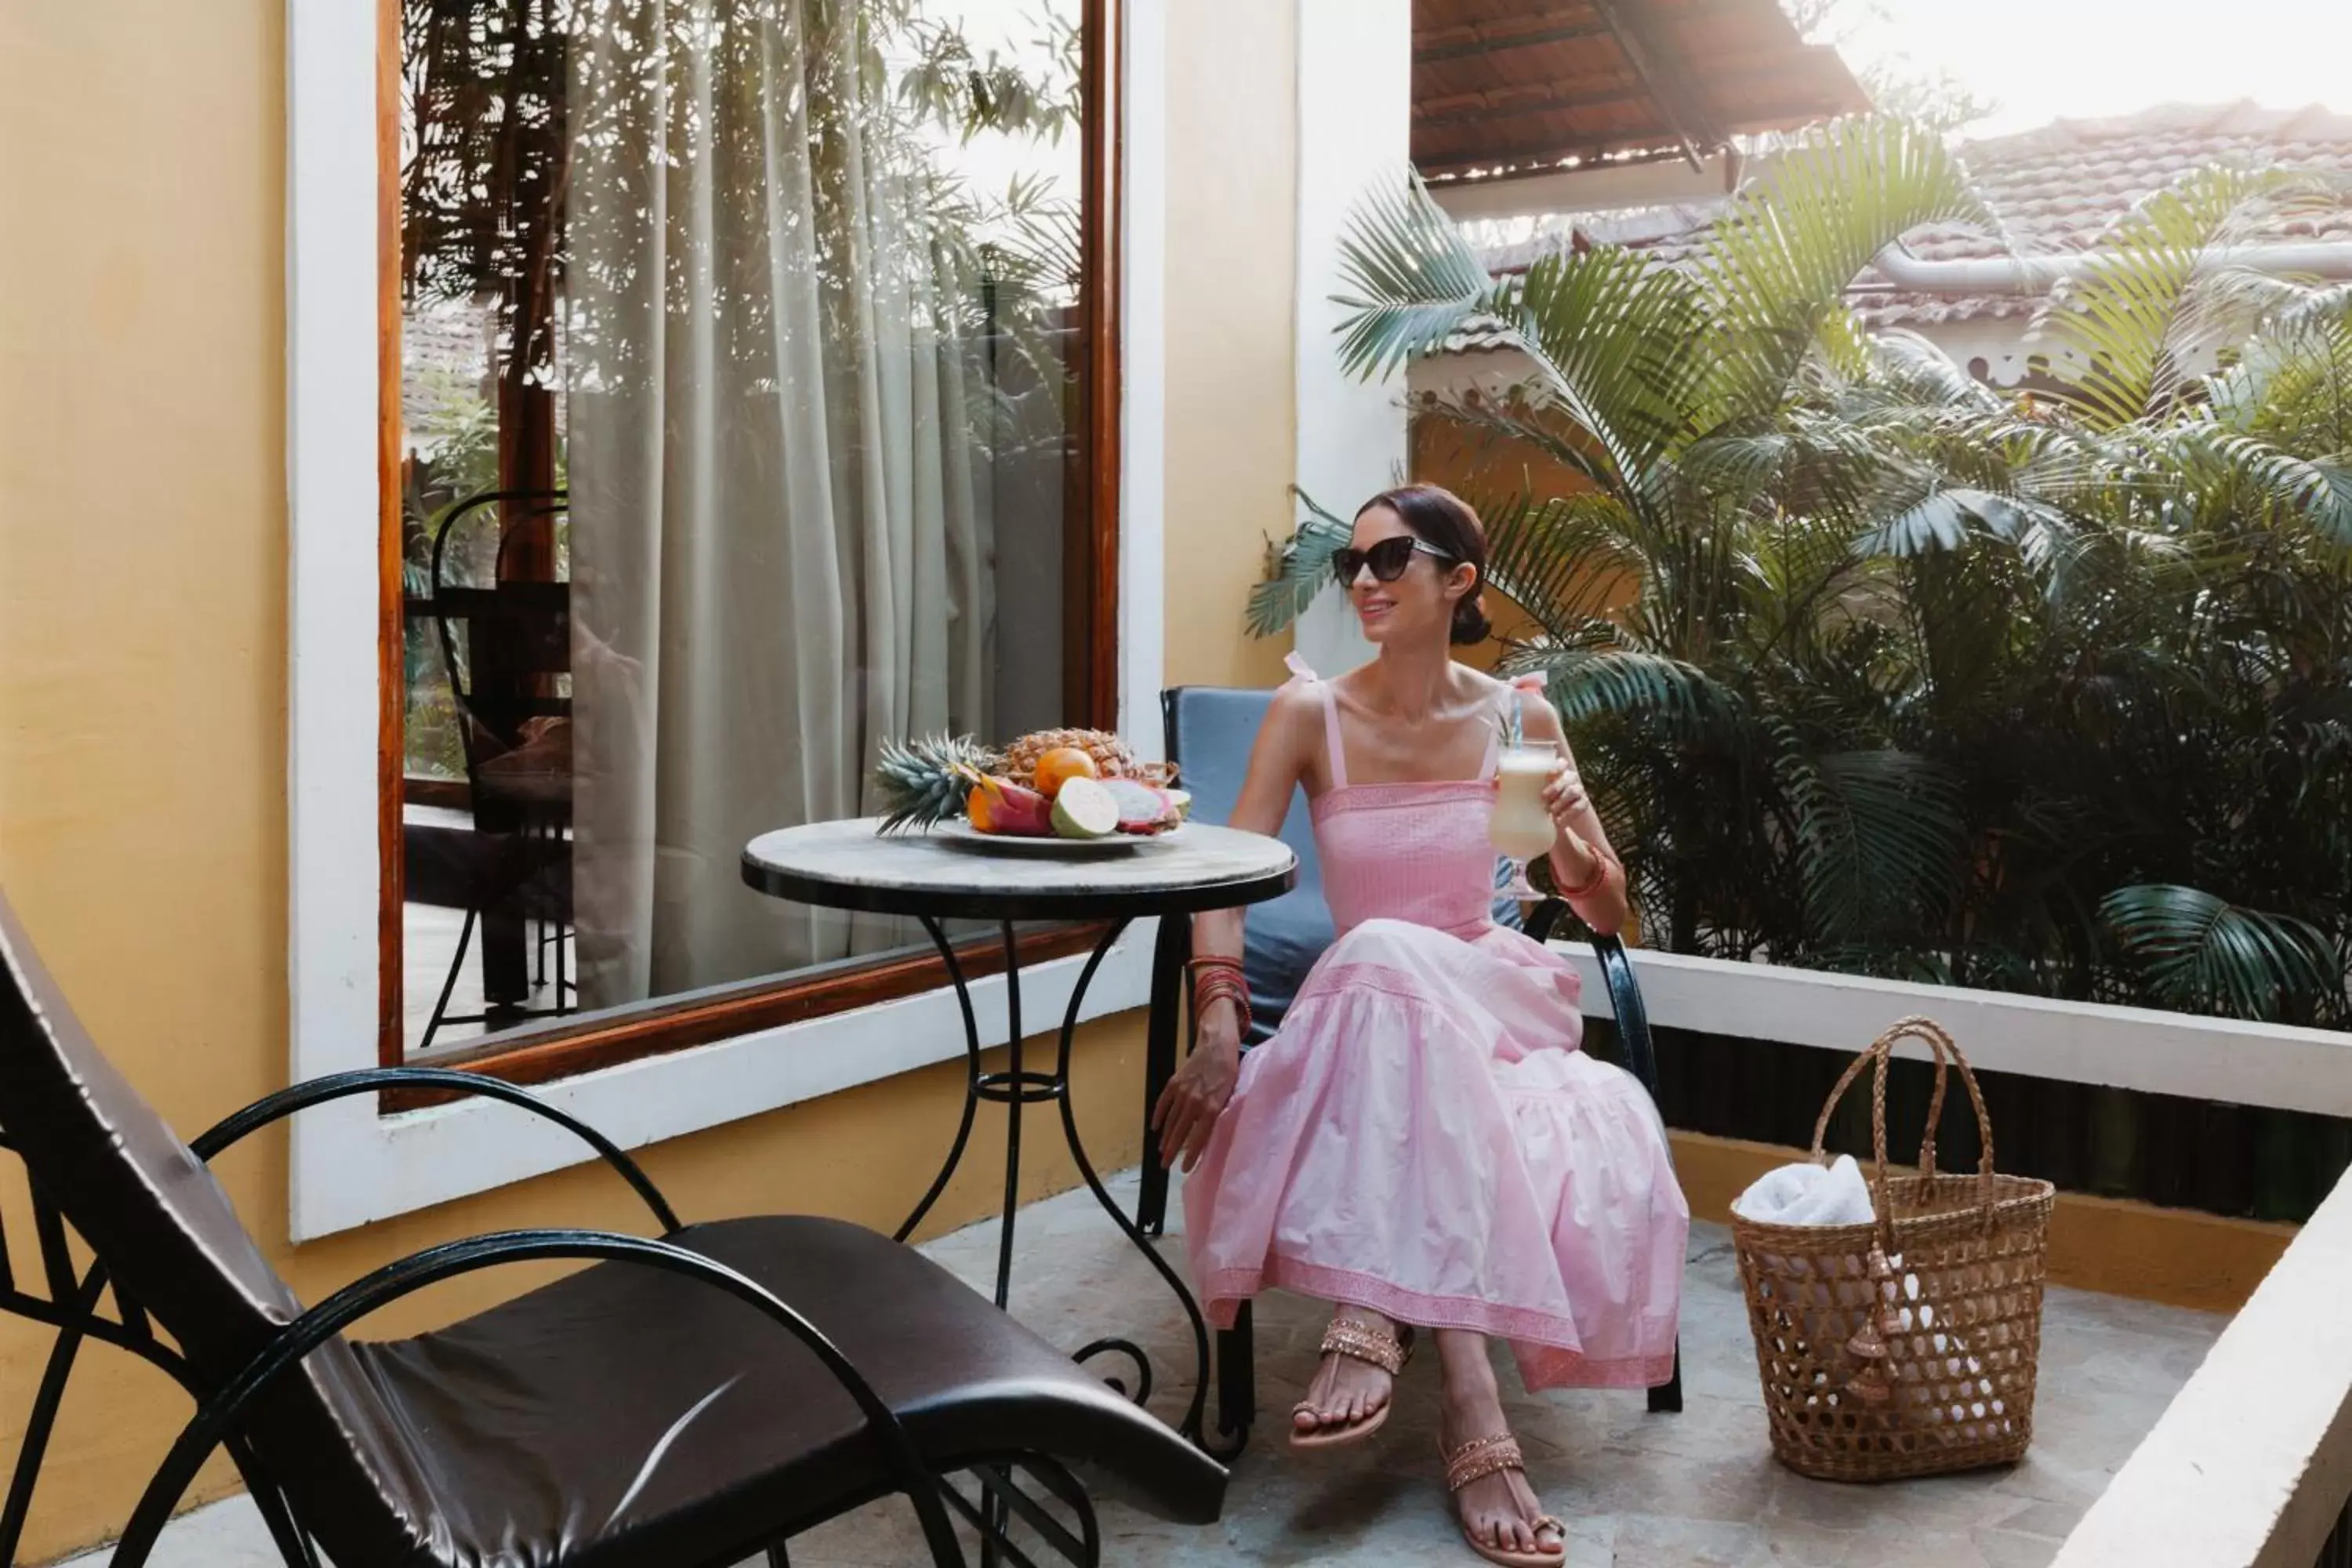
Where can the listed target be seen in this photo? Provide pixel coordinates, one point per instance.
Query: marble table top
(847, 865)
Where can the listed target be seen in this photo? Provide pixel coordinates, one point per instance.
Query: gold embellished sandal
(1358, 1342)
(1475, 1461)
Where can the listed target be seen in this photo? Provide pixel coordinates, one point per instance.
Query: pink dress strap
(1338, 752)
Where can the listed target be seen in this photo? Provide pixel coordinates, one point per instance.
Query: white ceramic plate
(964, 834)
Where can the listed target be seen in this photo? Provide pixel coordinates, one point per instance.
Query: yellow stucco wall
(1232, 181)
(143, 633)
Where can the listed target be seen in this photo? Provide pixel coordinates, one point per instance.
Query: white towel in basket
(1808, 1194)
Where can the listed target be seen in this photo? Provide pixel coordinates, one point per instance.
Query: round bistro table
(936, 877)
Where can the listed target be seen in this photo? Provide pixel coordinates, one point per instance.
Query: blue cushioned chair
(1210, 731)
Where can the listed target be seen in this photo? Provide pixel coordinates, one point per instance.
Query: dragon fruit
(1142, 808)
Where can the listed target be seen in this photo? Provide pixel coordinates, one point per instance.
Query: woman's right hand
(1188, 1106)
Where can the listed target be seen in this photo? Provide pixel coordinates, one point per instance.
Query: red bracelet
(1217, 980)
(1601, 867)
(1213, 986)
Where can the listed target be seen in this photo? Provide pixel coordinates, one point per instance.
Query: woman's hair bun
(1470, 622)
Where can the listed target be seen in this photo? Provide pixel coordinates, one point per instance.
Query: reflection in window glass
(740, 403)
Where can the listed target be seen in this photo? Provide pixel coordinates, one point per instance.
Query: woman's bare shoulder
(1481, 684)
(1542, 720)
(1297, 709)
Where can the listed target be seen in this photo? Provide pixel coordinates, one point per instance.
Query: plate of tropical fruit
(1056, 792)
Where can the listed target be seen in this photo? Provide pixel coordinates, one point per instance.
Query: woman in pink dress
(1423, 1143)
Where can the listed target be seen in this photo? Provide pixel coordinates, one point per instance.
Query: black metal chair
(506, 649)
(1209, 733)
(686, 1403)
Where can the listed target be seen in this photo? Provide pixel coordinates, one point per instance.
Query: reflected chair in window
(1209, 734)
(505, 637)
(689, 1402)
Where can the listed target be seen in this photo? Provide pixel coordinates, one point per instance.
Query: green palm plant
(1879, 669)
(1700, 408)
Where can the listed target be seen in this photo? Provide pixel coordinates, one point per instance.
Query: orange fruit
(1059, 767)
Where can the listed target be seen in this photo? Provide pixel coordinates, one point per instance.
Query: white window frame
(352, 1165)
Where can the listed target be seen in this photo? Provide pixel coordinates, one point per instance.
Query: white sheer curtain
(780, 536)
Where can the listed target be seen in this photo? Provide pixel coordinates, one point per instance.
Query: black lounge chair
(685, 1403)
(1209, 733)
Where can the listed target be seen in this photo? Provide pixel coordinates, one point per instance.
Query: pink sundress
(1423, 1136)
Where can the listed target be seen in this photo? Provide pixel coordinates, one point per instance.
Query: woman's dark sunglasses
(1388, 559)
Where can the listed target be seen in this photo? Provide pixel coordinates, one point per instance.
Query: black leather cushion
(625, 1415)
(1210, 732)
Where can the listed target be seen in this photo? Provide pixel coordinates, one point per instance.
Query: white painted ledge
(2269, 1065)
(353, 1166)
(2252, 1462)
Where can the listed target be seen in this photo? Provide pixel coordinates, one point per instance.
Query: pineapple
(924, 783)
(1112, 757)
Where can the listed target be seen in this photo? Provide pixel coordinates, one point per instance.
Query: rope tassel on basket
(1848, 1316)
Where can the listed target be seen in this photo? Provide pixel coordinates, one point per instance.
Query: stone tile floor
(1640, 1490)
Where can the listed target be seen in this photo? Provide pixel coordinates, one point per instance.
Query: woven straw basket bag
(1907, 1346)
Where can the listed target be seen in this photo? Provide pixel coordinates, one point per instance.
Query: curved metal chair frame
(72, 1303)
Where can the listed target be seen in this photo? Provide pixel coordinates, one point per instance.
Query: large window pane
(741, 404)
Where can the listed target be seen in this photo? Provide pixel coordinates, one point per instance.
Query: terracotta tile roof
(2054, 189)
(1511, 84)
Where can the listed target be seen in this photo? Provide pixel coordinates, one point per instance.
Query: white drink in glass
(1522, 828)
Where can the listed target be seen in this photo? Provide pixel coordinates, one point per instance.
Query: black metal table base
(1017, 1087)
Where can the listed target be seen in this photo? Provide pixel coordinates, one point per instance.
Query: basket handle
(1880, 1052)
(1940, 1043)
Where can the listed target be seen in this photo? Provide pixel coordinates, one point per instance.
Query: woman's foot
(1499, 1509)
(1349, 1396)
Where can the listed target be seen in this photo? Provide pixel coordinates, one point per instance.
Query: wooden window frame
(554, 1052)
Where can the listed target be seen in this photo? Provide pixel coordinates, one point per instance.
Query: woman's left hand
(1564, 796)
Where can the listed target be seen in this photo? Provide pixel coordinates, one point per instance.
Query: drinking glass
(1522, 828)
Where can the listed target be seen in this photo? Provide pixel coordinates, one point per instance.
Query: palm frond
(1942, 516)
(1617, 343)
(2158, 289)
(1299, 568)
(1561, 559)
(2202, 953)
(1796, 465)
(1410, 278)
(1925, 374)
(2315, 491)
(2291, 382)
(1596, 676)
(2304, 310)
(1879, 836)
(1776, 268)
